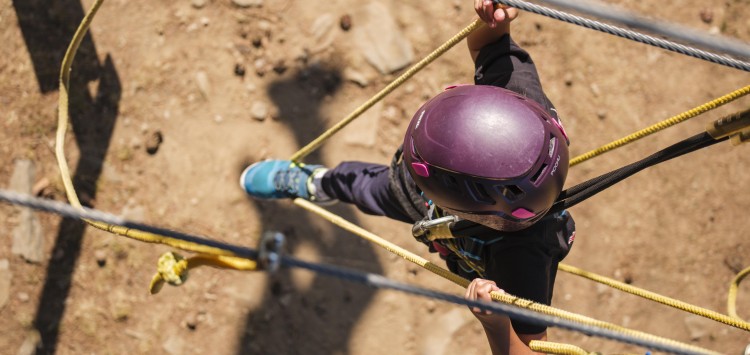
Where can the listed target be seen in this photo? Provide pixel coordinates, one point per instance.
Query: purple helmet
(488, 155)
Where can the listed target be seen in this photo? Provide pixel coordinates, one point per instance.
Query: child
(493, 153)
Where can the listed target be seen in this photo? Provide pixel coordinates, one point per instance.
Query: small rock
(41, 187)
(191, 321)
(595, 90)
(101, 257)
(23, 297)
(153, 141)
(380, 40)
(431, 306)
(345, 22)
(28, 238)
(698, 327)
(247, 3)
(198, 4)
(30, 344)
(201, 78)
(568, 79)
(261, 66)
(257, 41)
(356, 77)
(707, 15)
(601, 114)
(259, 110)
(280, 66)
(5, 277)
(239, 69)
(173, 345)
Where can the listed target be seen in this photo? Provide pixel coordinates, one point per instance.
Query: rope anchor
(269, 250)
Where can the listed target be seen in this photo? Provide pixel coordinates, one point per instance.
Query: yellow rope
(62, 125)
(657, 297)
(502, 297)
(173, 268)
(310, 147)
(663, 124)
(733, 287)
(557, 348)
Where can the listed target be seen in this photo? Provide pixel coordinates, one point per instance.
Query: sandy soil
(175, 68)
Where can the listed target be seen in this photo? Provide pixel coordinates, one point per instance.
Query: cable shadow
(47, 29)
(318, 319)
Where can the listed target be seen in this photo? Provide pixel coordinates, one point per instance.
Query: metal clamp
(432, 229)
(269, 250)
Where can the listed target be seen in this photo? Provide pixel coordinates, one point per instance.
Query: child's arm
(500, 334)
(498, 24)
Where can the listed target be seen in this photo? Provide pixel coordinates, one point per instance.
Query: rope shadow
(319, 319)
(47, 28)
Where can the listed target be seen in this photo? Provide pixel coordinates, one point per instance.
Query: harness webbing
(571, 197)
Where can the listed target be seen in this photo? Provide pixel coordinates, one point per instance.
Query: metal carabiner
(269, 250)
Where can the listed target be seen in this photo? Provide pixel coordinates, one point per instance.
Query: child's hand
(479, 289)
(491, 15)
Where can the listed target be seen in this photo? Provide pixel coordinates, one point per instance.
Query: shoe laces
(288, 180)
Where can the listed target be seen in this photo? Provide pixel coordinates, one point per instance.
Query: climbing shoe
(270, 179)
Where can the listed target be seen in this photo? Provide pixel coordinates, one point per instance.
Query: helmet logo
(419, 120)
(554, 167)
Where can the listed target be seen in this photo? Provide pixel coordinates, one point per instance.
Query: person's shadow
(319, 319)
(47, 28)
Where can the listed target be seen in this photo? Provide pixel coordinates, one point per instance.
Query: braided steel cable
(627, 34)
(725, 45)
(369, 279)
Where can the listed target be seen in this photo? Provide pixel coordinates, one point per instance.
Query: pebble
(280, 66)
(247, 3)
(707, 15)
(101, 257)
(261, 66)
(28, 237)
(5, 277)
(239, 69)
(201, 79)
(259, 110)
(698, 327)
(356, 77)
(153, 141)
(23, 297)
(568, 79)
(198, 4)
(345, 22)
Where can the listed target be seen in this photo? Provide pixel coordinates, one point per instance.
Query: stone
(198, 4)
(379, 39)
(204, 86)
(259, 110)
(28, 238)
(5, 277)
(30, 343)
(356, 77)
(247, 3)
(698, 327)
(153, 141)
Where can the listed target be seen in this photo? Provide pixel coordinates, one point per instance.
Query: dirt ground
(225, 86)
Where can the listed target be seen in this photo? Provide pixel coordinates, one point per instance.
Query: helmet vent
(479, 193)
(512, 193)
(538, 173)
(450, 182)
